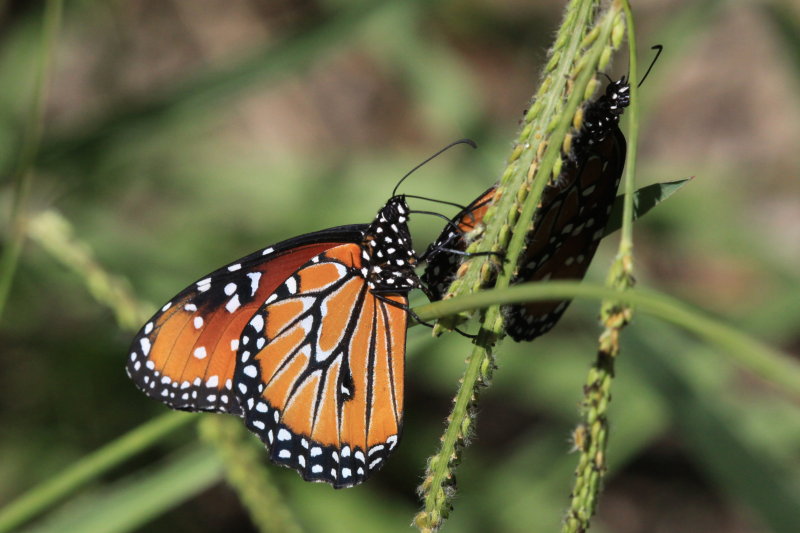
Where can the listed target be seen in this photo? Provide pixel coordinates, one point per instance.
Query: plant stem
(535, 158)
(775, 367)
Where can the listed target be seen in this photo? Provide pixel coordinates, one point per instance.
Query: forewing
(185, 354)
(320, 371)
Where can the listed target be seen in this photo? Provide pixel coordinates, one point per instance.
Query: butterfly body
(441, 262)
(304, 339)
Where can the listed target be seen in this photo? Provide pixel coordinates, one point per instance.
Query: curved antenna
(434, 200)
(460, 141)
(435, 214)
(660, 49)
(449, 223)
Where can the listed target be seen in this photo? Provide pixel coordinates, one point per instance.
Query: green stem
(534, 160)
(770, 364)
(90, 467)
(626, 241)
(22, 172)
(591, 469)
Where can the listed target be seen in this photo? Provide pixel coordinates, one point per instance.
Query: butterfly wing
(442, 263)
(567, 232)
(184, 355)
(568, 225)
(320, 370)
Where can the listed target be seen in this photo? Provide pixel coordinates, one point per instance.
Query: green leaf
(644, 200)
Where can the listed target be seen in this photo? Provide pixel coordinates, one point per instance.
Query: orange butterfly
(304, 339)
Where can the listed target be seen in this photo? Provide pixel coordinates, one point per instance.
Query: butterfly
(567, 227)
(304, 339)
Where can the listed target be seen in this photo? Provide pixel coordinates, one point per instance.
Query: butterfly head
(602, 115)
(389, 258)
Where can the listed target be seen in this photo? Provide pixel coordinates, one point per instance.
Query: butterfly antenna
(434, 200)
(435, 214)
(460, 141)
(659, 48)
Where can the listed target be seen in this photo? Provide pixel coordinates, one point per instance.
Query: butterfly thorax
(387, 253)
(602, 116)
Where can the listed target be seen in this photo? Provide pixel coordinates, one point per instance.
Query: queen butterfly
(567, 227)
(305, 339)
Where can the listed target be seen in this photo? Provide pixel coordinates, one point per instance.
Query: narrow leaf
(644, 200)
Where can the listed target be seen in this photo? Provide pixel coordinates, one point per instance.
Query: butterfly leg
(416, 317)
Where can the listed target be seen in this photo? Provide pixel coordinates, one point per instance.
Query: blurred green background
(180, 135)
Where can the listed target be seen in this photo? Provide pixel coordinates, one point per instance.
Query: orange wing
(319, 371)
(185, 355)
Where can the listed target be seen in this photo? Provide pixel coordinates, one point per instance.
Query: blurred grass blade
(133, 502)
(275, 62)
(644, 200)
(243, 464)
(787, 25)
(54, 234)
(47, 494)
(22, 173)
(730, 455)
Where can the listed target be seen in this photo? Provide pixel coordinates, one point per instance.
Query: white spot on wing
(254, 278)
(307, 324)
(200, 352)
(291, 285)
(233, 304)
(257, 322)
